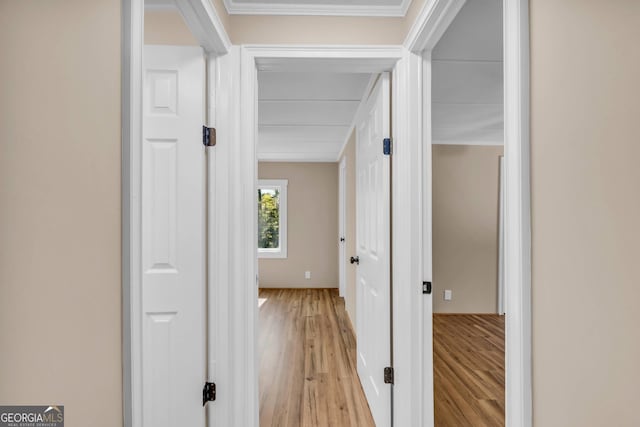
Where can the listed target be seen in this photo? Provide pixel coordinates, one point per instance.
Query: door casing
(425, 33)
(410, 390)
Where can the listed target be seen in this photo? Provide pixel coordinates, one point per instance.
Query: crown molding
(237, 8)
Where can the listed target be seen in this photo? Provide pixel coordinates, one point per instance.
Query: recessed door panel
(173, 237)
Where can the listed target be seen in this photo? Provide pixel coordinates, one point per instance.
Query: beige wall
(465, 227)
(166, 26)
(350, 295)
(60, 288)
(585, 68)
(246, 29)
(312, 226)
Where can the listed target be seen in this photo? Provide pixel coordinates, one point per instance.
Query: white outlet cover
(307, 275)
(447, 295)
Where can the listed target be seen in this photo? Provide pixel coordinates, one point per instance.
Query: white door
(373, 250)
(173, 237)
(342, 227)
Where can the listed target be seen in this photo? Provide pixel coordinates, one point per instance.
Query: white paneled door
(173, 237)
(373, 251)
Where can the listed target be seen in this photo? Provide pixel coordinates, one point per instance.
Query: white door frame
(424, 35)
(208, 30)
(407, 296)
(342, 226)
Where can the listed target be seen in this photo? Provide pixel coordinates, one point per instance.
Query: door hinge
(208, 136)
(208, 393)
(388, 375)
(386, 146)
(426, 287)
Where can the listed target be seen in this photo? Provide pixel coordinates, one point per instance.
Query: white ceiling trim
(237, 8)
(343, 58)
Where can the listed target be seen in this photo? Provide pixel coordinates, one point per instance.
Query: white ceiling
(306, 116)
(468, 77)
(318, 7)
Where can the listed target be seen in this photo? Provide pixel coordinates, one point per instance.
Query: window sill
(280, 254)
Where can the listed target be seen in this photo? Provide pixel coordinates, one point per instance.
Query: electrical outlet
(307, 275)
(447, 295)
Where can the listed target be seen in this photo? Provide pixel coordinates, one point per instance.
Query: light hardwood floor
(308, 374)
(468, 361)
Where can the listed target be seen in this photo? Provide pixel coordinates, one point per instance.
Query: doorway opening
(315, 353)
(467, 145)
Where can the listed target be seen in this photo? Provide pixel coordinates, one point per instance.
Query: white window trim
(281, 184)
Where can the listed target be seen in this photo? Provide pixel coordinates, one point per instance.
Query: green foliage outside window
(268, 218)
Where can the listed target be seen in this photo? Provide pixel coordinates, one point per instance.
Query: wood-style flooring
(308, 374)
(468, 361)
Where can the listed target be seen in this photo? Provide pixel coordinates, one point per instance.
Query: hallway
(308, 361)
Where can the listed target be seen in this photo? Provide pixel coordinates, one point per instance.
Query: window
(272, 218)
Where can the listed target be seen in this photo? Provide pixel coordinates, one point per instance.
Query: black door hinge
(426, 287)
(208, 136)
(388, 375)
(208, 393)
(386, 146)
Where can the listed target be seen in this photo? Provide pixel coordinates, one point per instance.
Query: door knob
(355, 260)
